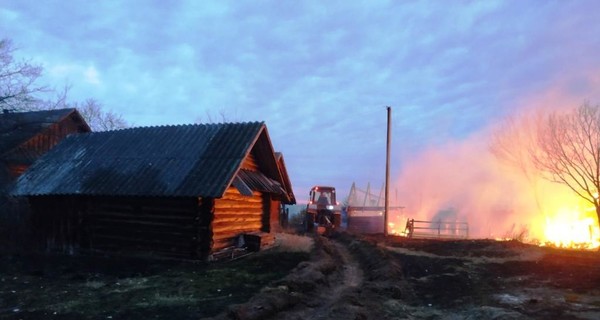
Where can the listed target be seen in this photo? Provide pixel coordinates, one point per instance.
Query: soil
(372, 277)
(342, 276)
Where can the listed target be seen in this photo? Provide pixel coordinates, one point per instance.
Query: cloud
(448, 70)
(74, 73)
(91, 75)
(8, 15)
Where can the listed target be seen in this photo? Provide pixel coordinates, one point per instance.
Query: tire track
(334, 301)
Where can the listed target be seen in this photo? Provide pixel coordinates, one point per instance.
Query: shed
(183, 191)
(25, 136)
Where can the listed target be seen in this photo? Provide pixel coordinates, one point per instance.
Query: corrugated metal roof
(259, 182)
(186, 160)
(18, 127)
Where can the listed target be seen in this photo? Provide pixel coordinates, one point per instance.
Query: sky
(319, 73)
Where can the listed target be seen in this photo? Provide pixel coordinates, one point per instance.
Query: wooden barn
(25, 136)
(185, 191)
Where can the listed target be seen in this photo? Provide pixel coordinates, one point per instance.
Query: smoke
(459, 181)
(464, 181)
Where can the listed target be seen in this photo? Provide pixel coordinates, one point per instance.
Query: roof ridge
(38, 111)
(189, 125)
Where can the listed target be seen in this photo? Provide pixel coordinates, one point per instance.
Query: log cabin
(186, 191)
(25, 136)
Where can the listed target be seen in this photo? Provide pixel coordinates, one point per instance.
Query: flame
(393, 229)
(572, 228)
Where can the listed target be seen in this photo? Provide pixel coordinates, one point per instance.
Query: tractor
(322, 209)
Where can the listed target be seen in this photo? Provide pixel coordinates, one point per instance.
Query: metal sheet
(186, 160)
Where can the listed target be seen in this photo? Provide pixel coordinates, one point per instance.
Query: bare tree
(512, 141)
(98, 119)
(17, 80)
(568, 151)
(58, 102)
(560, 146)
(19, 92)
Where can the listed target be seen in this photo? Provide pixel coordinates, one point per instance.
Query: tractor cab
(323, 197)
(323, 208)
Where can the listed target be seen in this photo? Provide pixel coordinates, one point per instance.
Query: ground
(342, 277)
(42, 286)
(358, 277)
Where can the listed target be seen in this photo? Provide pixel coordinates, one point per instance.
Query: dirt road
(351, 277)
(330, 302)
(343, 280)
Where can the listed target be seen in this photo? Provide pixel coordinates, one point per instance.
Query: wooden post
(387, 172)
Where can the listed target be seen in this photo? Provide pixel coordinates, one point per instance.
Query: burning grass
(528, 171)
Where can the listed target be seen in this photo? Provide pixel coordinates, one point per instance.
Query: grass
(99, 287)
(520, 234)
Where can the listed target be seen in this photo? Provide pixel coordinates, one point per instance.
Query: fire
(396, 229)
(392, 228)
(572, 228)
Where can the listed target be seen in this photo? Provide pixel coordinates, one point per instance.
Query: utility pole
(387, 171)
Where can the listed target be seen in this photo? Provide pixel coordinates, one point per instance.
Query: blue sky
(319, 73)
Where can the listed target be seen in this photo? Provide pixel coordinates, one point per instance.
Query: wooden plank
(138, 232)
(232, 234)
(235, 191)
(124, 216)
(113, 209)
(141, 242)
(254, 226)
(132, 222)
(141, 203)
(233, 211)
(238, 204)
(239, 197)
(250, 163)
(168, 211)
(236, 220)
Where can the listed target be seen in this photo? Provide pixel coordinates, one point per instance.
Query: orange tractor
(322, 210)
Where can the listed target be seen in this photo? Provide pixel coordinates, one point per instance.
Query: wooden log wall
(235, 214)
(271, 207)
(41, 143)
(168, 227)
(204, 218)
(250, 163)
(58, 223)
(156, 226)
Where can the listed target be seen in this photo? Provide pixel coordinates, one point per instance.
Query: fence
(436, 229)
